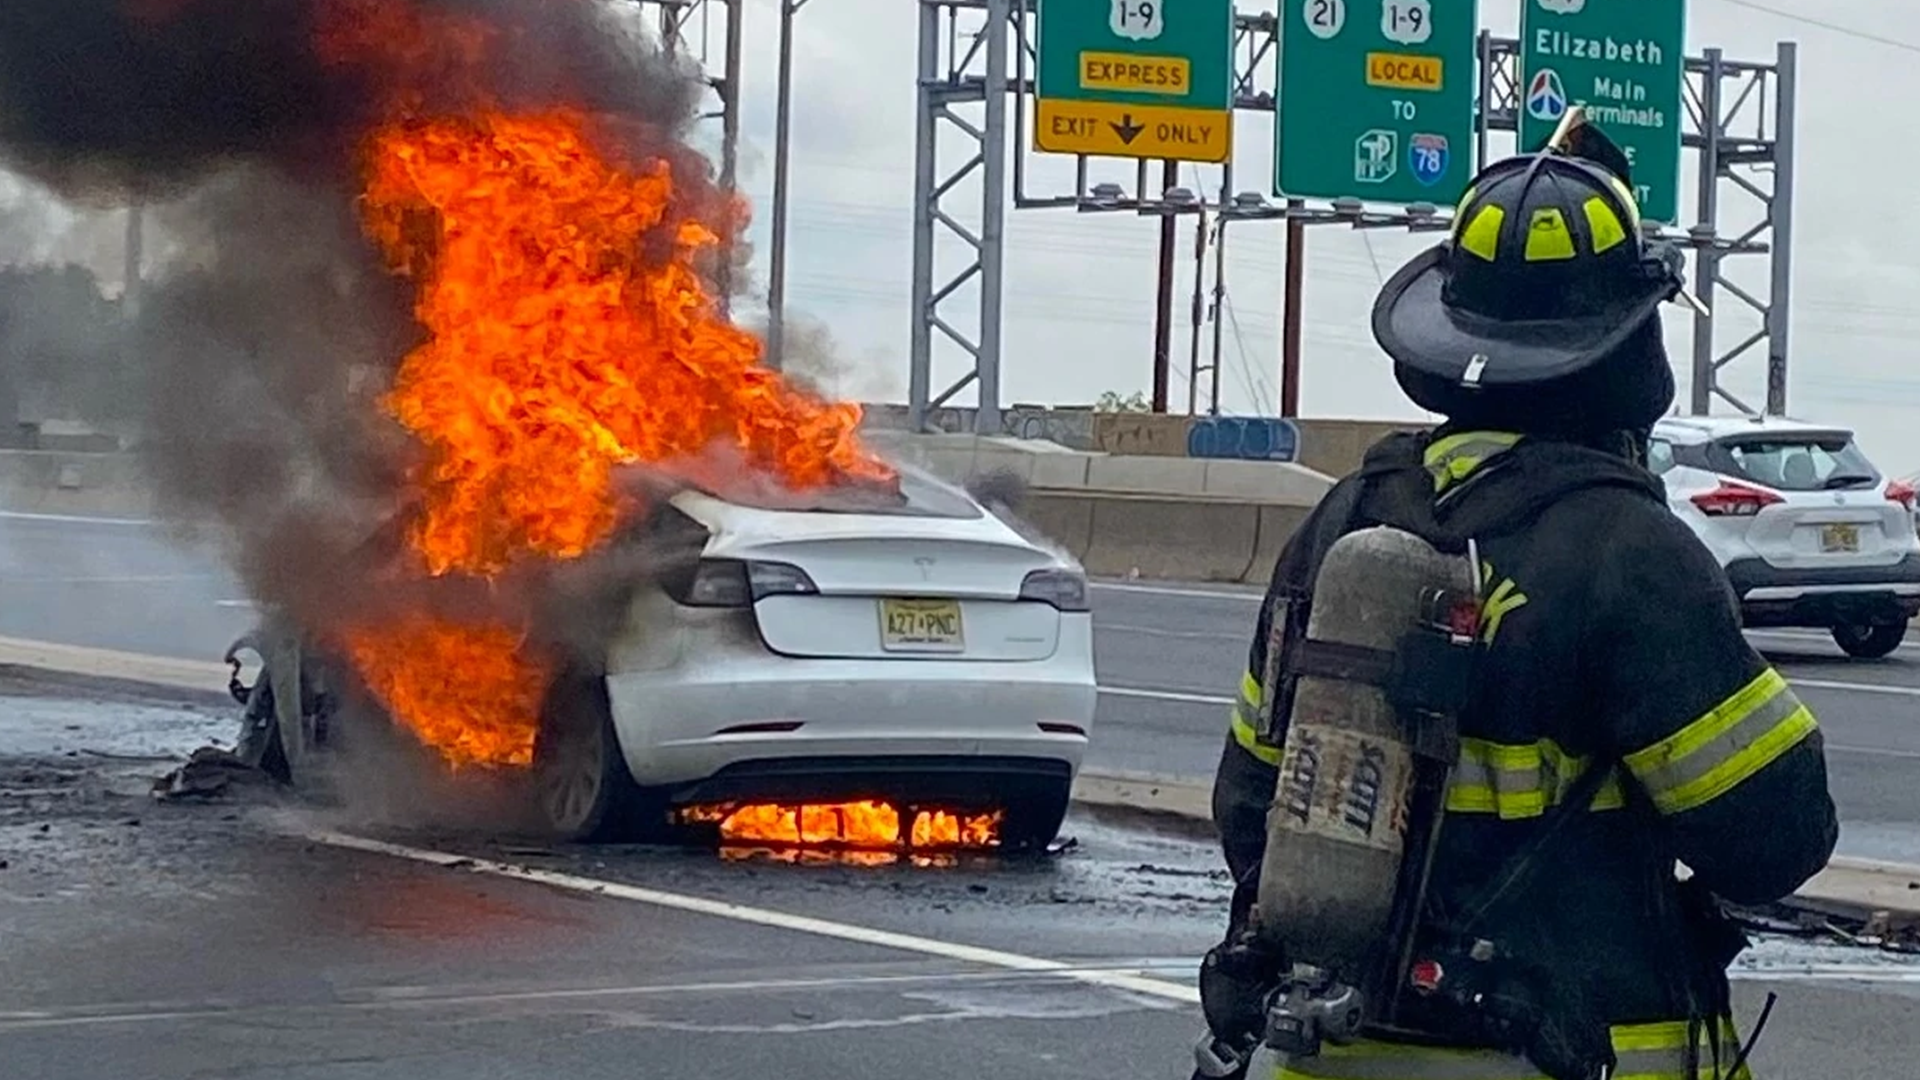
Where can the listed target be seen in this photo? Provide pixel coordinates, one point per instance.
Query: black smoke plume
(269, 330)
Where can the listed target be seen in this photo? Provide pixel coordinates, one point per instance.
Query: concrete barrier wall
(68, 482)
(1167, 518)
(1330, 446)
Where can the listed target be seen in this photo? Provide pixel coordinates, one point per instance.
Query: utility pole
(1199, 311)
(1219, 300)
(1163, 308)
(729, 86)
(782, 145)
(1290, 326)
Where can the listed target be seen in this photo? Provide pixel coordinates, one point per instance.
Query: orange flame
(568, 332)
(867, 823)
(469, 691)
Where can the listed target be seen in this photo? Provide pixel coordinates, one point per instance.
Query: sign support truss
(976, 54)
(686, 28)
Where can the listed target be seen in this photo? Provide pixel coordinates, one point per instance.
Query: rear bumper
(950, 782)
(812, 724)
(1776, 596)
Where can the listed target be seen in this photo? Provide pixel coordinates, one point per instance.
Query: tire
(1870, 641)
(1033, 820)
(298, 739)
(583, 791)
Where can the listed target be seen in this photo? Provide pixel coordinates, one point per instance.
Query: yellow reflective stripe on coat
(1655, 1051)
(1245, 708)
(1453, 459)
(1520, 780)
(1712, 755)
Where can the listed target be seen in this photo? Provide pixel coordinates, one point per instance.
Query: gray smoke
(269, 327)
(268, 334)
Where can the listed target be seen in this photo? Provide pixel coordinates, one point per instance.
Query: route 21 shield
(1427, 156)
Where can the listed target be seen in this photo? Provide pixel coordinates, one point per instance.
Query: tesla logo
(1839, 499)
(926, 567)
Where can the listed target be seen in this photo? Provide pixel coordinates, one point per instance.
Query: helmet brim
(1417, 329)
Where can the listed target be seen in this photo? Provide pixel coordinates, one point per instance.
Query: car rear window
(914, 495)
(1810, 462)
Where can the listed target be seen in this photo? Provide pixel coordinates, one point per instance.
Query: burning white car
(921, 651)
(901, 661)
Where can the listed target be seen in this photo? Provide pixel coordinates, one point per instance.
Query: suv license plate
(921, 626)
(1839, 538)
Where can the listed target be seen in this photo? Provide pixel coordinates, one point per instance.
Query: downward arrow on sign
(1126, 128)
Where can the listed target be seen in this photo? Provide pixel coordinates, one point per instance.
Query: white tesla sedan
(917, 648)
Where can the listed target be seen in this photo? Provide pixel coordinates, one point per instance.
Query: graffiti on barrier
(1141, 434)
(1245, 438)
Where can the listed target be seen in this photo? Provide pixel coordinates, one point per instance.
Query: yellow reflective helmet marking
(1548, 238)
(1482, 234)
(1603, 225)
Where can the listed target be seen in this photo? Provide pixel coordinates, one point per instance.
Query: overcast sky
(1079, 299)
(1080, 288)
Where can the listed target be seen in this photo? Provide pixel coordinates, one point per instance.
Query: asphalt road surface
(259, 939)
(1168, 656)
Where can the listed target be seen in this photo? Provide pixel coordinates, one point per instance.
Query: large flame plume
(521, 166)
(568, 332)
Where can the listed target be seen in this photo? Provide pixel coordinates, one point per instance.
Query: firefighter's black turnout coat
(1611, 636)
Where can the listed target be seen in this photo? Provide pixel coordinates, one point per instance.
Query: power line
(1808, 20)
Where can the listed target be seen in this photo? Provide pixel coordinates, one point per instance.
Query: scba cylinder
(1337, 828)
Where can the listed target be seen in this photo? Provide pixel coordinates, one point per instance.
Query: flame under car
(913, 648)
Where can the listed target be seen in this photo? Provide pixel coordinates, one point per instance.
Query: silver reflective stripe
(1729, 744)
(1519, 780)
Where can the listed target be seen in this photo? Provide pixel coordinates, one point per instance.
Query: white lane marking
(235, 603)
(1251, 596)
(1166, 695)
(1872, 751)
(1789, 638)
(1827, 973)
(393, 997)
(1856, 687)
(109, 579)
(74, 519)
(1127, 981)
(1864, 751)
(1216, 699)
(1154, 631)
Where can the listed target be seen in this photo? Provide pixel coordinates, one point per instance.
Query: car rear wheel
(582, 788)
(1870, 641)
(1034, 819)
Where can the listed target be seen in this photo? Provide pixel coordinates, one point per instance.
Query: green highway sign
(1376, 99)
(1135, 78)
(1625, 61)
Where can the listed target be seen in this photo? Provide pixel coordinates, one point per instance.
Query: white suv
(1808, 531)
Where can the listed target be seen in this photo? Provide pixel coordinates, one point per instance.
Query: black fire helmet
(1545, 275)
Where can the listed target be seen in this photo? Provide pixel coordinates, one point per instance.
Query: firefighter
(1609, 639)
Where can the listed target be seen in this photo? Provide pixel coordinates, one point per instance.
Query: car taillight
(732, 583)
(1901, 492)
(1063, 589)
(1734, 500)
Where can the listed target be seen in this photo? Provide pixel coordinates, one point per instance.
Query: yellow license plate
(921, 626)
(1840, 538)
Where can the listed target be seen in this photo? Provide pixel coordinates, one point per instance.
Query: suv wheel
(1870, 641)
